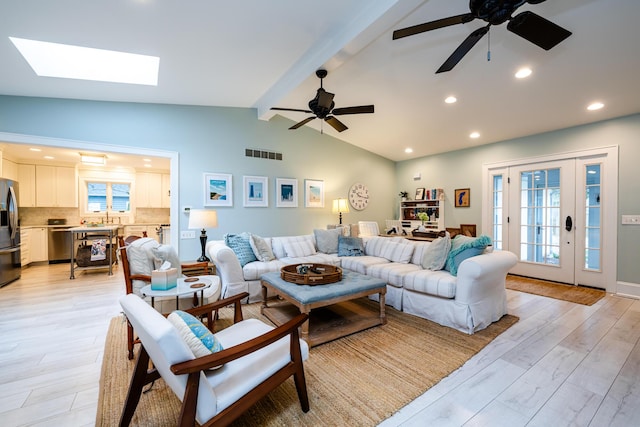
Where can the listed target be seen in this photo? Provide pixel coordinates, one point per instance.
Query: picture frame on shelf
(419, 194)
(256, 191)
(218, 189)
(286, 193)
(462, 197)
(313, 193)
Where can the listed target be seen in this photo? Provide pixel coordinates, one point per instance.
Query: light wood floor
(562, 364)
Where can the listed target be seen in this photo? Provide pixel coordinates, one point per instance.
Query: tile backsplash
(39, 216)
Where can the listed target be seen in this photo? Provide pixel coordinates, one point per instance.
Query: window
(108, 196)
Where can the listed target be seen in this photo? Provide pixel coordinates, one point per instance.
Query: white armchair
(368, 228)
(256, 359)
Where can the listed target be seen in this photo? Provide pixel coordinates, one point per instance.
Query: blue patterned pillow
(240, 244)
(463, 247)
(199, 339)
(350, 246)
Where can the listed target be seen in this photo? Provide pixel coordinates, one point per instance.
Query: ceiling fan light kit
(322, 106)
(528, 25)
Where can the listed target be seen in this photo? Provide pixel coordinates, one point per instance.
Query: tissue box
(163, 280)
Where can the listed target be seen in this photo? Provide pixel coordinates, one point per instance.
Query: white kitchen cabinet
(25, 246)
(27, 185)
(38, 244)
(9, 170)
(148, 190)
(166, 190)
(56, 186)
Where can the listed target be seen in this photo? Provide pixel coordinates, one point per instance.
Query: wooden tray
(318, 274)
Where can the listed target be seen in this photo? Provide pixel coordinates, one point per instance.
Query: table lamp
(340, 206)
(203, 218)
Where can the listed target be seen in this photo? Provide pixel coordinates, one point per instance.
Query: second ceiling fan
(322, 106)
(527, 25)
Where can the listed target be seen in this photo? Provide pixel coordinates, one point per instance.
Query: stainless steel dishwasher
(59, 241)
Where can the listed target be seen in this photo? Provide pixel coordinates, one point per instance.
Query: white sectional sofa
(470, 301)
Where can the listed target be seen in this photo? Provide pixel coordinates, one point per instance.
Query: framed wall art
(256, 191)
(286, 193)
(313, 193)
(462, 197)
(419, 194)
(218, 189)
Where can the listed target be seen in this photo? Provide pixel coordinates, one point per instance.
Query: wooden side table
(190, 268)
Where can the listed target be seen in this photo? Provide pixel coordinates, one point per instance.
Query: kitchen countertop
(89, 229)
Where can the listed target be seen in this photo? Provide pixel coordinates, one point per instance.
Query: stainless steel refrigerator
(9, 232)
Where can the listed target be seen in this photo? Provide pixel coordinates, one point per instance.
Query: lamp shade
(203, 218)
(340, 206)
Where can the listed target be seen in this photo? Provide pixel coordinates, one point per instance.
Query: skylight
(76, 62)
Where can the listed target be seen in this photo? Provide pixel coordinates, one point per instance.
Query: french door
(557, 216)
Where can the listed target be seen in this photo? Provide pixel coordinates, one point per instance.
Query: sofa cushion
(435, 256)
(463, 247)
(199, 339)
(261, 248)
(253, 270)
(278, 244)
(350, 246)
(418, 251)
(398, 252)
(362, 263)
(299, 248)
(239, 244)
(438, 283)
(392, 272)
(327, 240)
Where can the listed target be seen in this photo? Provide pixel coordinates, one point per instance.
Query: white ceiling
(260, 54)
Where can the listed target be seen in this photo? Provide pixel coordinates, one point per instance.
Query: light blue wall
(463, 169)
(211, 139)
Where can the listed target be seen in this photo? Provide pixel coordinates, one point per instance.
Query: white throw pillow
(435, 256)
(398, 252)
(299, 248)
(261, 248)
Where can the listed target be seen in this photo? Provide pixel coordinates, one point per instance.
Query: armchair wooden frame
(129, 278)
(142, 375)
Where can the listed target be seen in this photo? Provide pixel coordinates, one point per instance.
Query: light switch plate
(631, 219)
(188, 234)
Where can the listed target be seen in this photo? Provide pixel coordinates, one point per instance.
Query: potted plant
(403, 195)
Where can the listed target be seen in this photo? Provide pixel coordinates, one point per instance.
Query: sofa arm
(227, 264)
(483, 276)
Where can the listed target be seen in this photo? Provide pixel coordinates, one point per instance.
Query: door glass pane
(593, 218)
(497, 212)
(540, 216)
(97, 196)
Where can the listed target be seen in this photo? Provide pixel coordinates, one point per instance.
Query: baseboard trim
(628, 289)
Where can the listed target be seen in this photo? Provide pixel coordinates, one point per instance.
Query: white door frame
(610, 188)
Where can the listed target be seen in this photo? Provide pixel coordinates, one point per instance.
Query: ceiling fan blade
(537, 30)
(362, 109)
(302, 123)
(433, 25)
(291, 109)
(463, 49)
(336, 124)
(324, 99)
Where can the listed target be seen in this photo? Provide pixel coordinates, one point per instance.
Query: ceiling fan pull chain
(489, 46)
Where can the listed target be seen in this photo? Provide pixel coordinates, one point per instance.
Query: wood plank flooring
(563, 364)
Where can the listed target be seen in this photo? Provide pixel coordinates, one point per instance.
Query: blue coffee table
(335, 309)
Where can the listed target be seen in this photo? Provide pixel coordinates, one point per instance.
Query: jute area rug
(358, 380)
(578, 294)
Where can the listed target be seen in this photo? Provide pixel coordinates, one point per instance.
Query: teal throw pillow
(350, 246)
(241, 246)
(435, 255)
(197, 337)
(463, 247)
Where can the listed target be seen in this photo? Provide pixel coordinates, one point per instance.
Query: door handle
(568, 224)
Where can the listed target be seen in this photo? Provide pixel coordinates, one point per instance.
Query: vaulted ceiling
(262, 54)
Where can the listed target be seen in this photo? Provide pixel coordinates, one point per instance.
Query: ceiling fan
(322, 106)
(527, 25)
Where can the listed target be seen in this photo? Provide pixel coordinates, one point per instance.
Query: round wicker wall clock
(359, 196)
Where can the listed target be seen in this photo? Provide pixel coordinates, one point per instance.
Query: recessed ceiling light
(146, 160)
(408, 150)
(147, 165)
(450, 99)
(35, 149)
(49, 157)
(93, 159)
(595, 106)
(84, 63)
(523, 73)
(474, 135)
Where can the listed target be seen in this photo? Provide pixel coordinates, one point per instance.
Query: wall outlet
(631, 219)
(189, 234)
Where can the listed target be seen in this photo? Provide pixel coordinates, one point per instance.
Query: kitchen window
(108, 196)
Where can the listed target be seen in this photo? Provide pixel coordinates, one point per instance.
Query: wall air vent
(261, 154)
